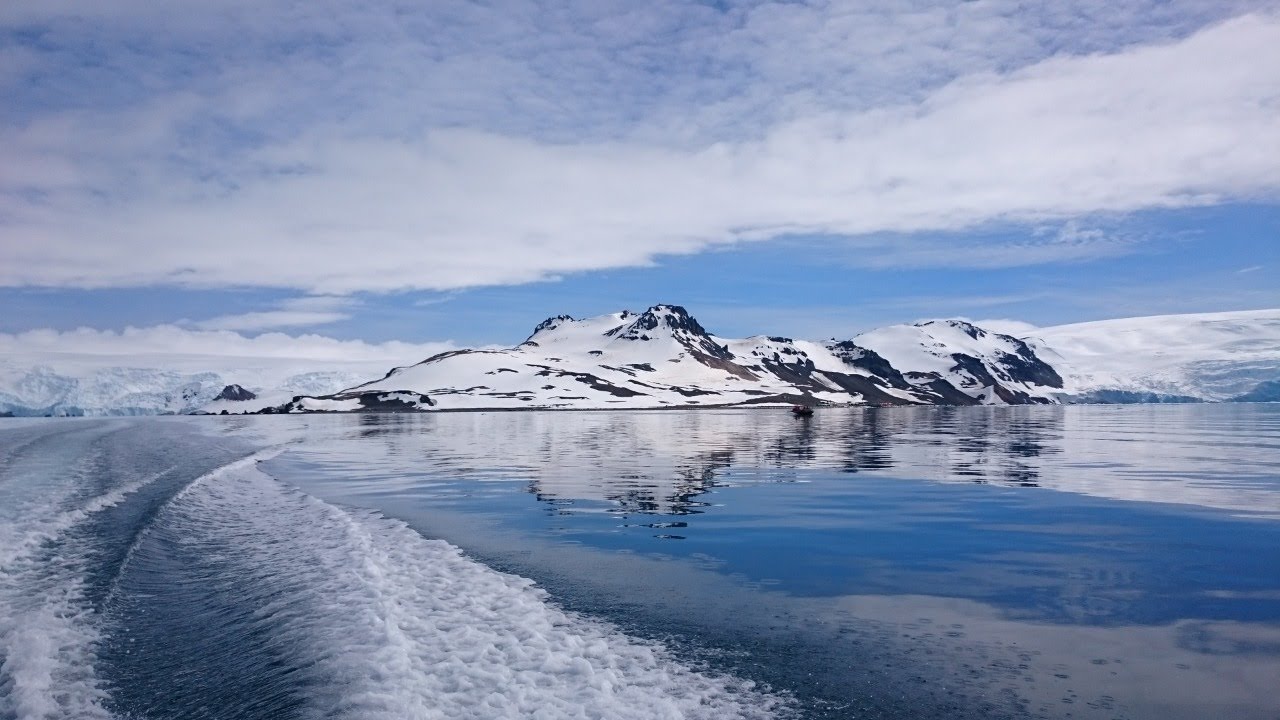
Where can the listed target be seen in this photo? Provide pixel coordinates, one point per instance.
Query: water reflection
(1011, 572)
(823, 506)
(1222, 457)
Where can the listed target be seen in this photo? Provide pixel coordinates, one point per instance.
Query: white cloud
(307, 311)
(177, 348)
(1068, 243)
(567, 155)
(270, 319)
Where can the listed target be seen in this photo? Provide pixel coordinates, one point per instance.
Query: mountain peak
(672, 317)
(550, 323)
(963, 326)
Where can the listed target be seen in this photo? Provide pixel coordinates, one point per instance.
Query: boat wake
(240, 597)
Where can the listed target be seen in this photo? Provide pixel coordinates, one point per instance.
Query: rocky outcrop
(235, 393)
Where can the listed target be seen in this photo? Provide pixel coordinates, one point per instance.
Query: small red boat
(801, 410)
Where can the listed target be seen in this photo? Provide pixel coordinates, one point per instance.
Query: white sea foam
(47, 646)
(20, 541)
(380, 621)
(393, 625)
(47, 631)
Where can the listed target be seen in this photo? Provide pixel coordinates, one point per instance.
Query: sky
(286, 174)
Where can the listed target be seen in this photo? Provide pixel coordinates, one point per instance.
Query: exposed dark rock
(374, 401)
(1027, 367)
(1018, 397)
(235, 393)
(591, 380)
(983, 377)
(870, 361)
(867, 387)
(693, 392)
(670, 316)
(967, 328)
(974, 367)
(724, 364)
(400, 401)
(683, 327)
(548, 324)
(782, 398)
(943, 392)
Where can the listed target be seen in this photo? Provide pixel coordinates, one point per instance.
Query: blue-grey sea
(1013, 562)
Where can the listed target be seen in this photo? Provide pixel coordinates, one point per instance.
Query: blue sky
(457, 171)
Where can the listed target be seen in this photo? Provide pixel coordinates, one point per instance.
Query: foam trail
(48, 659)
(48, 631)
(233, 466)
(380, 622)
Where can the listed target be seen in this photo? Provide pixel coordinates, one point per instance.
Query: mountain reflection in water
(661, 462)
(1094, 562)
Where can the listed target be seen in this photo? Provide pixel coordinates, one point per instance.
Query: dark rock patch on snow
(235, 393)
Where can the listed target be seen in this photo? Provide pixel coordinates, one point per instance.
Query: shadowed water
(1101, 562)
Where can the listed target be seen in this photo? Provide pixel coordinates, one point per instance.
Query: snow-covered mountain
(987, 366)
(664, 358)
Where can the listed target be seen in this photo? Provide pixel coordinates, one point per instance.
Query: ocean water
(1046, 562)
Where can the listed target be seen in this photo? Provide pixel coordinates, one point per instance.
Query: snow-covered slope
(664, 358)
(1208, 356)
(985, 365)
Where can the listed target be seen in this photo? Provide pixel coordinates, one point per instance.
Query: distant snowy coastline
(664, 358)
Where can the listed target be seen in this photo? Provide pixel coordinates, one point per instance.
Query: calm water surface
(1085, 562)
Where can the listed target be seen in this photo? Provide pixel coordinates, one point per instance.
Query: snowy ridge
(664, 358)
(981, 363)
